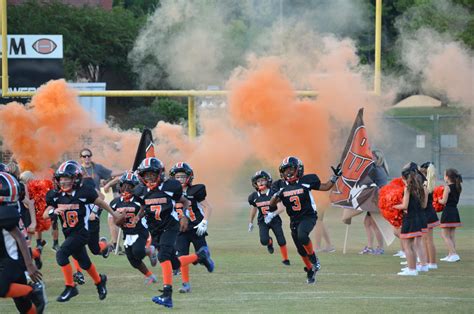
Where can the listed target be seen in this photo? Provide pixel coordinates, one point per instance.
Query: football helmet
(152, 164)
(70, 169)
(291, 162)
(261, 174)
(183, 167)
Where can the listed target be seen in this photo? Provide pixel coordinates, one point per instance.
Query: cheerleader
(414, 200)
(450, 219)
(429, 171)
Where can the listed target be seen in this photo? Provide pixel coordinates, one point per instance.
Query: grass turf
(248, 279)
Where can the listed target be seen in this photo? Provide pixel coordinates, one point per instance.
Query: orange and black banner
(355, 189)
(146, 148)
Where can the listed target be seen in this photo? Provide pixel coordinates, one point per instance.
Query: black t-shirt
(195, 194)
(262, 203)
(131, 209)
(160, 205)
(297, 197)
(74, 212)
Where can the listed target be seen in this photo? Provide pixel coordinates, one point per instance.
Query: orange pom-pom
(438, 195)
(37, 190)
(389, 196)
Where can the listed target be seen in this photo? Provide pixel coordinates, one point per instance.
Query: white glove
(269, 217)
(201, 228)
(250, 227)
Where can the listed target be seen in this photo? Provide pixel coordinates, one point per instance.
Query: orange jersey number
(130, 218)
(70, 219)
(157, 210)
(192, 215)
(265, 210)
(296, 203)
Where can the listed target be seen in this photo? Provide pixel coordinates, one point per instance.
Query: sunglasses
(85, 156)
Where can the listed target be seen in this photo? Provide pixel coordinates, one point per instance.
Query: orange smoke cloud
(40, 132)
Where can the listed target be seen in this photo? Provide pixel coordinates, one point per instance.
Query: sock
(67, 273)
(55, 242)
(148, 242)
(148, 273)
(270, 242)
(38, 242)
(306, 261)
(167, 272)
(309, 248)
(35, 253)
(284, 252)
(188, 259)
(76, 265)
(17, 290)
(94, 274)
(103, 245)
(185, 273)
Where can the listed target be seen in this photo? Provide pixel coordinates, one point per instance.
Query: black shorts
(11, 271)
(185, 239)
(276, 227)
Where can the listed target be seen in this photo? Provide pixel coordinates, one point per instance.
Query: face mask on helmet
(151, 172)
(182, 172)
(151, 179)
(128, 181)
(68, 176)
(291, 169)
(261, 180)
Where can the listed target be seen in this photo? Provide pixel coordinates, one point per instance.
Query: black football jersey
(130, 209)
(74, 213)
(160, 204)
(262, 203)
(195, 194)
(8, 246)
(297, 197)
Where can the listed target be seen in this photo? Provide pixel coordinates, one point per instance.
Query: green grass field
(248, 279)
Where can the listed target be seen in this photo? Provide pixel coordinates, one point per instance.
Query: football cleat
(67, 294)
(270, 246)
(286, 262)
(153, 256)
(38, 263)
(38, 296)
(150, 279)
(185, 288)
(165, 298)
(101, 287)
(310, 275)
(55, 247)
(106, 251)
(204, 258)
(79, 278)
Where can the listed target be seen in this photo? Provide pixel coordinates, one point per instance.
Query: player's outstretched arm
(330, 183)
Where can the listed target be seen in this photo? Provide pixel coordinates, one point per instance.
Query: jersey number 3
(296, 203)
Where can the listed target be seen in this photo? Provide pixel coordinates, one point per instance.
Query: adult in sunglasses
(93, 170)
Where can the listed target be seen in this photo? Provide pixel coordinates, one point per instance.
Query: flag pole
(345, 240)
